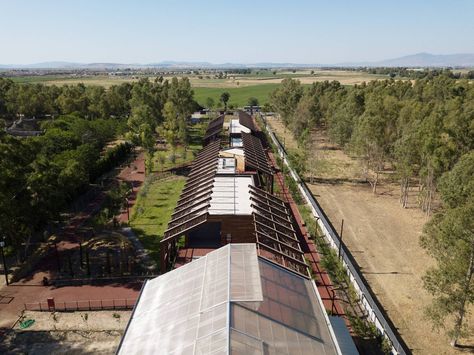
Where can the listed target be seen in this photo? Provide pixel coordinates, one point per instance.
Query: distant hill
(414, 60)
(422, 60)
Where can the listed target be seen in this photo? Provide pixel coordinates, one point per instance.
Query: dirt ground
(67, 332)
(382, 236)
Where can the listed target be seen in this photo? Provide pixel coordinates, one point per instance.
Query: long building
(235, 279)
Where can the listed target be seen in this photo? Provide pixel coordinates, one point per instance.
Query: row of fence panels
(83, 305)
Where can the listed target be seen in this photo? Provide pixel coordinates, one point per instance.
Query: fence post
(113, 303)
(90, 305)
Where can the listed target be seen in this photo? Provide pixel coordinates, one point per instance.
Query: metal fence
(84, 305)
(367, 299)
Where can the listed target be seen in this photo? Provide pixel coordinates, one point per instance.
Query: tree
(286, 97)
(141, 125)
(210, 103)
(225, 96)
(449, 238)
(170, 127)
(374, 135)
(252, 101)
(457, 186)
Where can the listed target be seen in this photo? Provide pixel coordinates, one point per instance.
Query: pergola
(214, 128)
(275, 235)
(256, 158)
(193, 204)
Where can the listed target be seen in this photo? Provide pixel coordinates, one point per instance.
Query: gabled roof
(214, 128)
(275, 235)
(246, 120)
(229, 302)
(254, 153)
(194, 201)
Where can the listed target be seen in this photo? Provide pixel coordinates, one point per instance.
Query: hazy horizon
(307, 32)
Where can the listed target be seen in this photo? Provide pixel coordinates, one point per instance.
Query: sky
(239, 31)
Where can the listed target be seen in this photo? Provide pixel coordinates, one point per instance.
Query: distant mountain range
(414, 60)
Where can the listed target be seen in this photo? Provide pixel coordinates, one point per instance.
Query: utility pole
(340, 239)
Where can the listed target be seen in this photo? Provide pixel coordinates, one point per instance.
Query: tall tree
(225, 96)
(286, 97)
(449, 238)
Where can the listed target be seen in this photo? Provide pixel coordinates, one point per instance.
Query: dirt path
(383, 238)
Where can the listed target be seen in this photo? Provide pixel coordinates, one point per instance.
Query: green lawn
(238, 96)
(152, 212)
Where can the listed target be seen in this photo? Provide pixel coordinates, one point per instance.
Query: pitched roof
(246, 120)
(214, 128)
(275, 235)
(229, 302)
(254, 153)
(194, 201)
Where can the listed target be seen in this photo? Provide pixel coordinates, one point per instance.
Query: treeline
(418, 73)
(419, 129)
(424, 130)
(40, 176)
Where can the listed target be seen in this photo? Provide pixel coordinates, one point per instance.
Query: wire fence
(83, 305)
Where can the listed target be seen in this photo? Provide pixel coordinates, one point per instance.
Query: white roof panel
(186, 310)
(236, 127)
(231, 195)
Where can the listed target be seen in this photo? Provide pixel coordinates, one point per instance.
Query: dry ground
(343, 76)
(97, 332)
(382, 236)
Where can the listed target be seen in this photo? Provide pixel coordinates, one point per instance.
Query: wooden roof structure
(275, 235)
(214, 128)
(254, 154)
(194, 201)
(247, 121)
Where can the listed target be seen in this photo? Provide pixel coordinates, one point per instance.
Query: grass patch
(238, 96)
(152, 212)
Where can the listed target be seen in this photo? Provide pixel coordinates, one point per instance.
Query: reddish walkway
(324, 284)
(30, 289)
(134, 175)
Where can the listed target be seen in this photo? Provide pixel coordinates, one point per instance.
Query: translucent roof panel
(236, 128)
(289, 320)
(245, 275)
(230, 195)
(186, 310)
(234, 150)
(226, 166)
(236, 142)
(229, 301)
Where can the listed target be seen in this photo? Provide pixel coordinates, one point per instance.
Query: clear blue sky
(244, 31)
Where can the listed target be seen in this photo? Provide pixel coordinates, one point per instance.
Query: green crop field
(238, 96)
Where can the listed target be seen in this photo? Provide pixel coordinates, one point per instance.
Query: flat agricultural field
(238, 95)
(381, 235)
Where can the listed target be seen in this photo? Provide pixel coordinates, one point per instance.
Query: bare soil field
(382, 236)
(97, 332)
